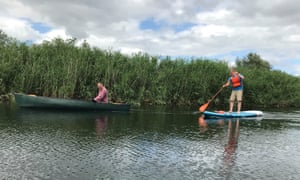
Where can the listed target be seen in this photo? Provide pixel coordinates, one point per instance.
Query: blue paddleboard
(242, 114)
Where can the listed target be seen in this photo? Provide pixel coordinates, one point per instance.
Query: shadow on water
(78, 123)
(85, 122)
(155, 120)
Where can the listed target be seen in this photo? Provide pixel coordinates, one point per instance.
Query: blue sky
(221, 30)
(40, 27)
(151, 24)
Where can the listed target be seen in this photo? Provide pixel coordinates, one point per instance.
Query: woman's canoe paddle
(203, 107)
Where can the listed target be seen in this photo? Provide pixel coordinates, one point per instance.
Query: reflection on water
(202, 123)
(229, 155)
(145, 144)
(230, 148)
(233, 134)
(101, 125)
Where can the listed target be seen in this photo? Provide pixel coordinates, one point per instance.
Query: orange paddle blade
(203, 107)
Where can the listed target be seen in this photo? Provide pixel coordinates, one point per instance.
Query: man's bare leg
(239, 106)
(231, 106)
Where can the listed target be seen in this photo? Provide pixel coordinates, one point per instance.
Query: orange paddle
(203, 107)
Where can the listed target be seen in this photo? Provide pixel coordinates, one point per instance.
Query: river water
(147, 143)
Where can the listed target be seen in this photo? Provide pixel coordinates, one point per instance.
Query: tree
(253, 60)
(4, 39)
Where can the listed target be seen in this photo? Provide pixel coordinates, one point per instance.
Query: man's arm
(226, 84)
(241, 76)
(100, 95)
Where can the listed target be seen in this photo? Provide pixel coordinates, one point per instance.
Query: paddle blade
(203, 107)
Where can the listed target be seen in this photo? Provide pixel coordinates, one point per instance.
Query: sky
(216, 29)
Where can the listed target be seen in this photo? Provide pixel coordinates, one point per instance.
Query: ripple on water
(39, 153)
(173, 150)
(282, 116)
(163, 155)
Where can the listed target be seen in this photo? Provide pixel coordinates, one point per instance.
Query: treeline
(60, 68)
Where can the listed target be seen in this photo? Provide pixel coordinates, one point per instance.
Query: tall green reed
(61, 68)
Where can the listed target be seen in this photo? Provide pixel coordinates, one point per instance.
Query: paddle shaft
(204, 106)
(216, 93)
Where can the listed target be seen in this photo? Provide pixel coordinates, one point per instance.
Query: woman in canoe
(102, 94)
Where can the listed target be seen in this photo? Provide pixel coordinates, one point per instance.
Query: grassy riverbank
(60, 68)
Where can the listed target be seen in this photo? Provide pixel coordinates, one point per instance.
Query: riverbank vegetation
(61, 68)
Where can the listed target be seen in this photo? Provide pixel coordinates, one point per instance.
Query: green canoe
(32, 101)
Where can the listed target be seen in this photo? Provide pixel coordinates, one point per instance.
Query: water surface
(146, 143)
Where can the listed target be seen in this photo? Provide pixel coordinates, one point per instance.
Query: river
(147, 143)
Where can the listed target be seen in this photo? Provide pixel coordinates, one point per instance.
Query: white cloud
(215, 30)
(220, 27)
(18, 28)
(56, 33)
(294, 38)
(214, 17)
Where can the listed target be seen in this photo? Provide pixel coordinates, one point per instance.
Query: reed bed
(60, 68)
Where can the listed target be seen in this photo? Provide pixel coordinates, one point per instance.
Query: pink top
(102, 96)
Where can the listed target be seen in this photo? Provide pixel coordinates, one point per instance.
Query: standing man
(102, 94)
(236, 81)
